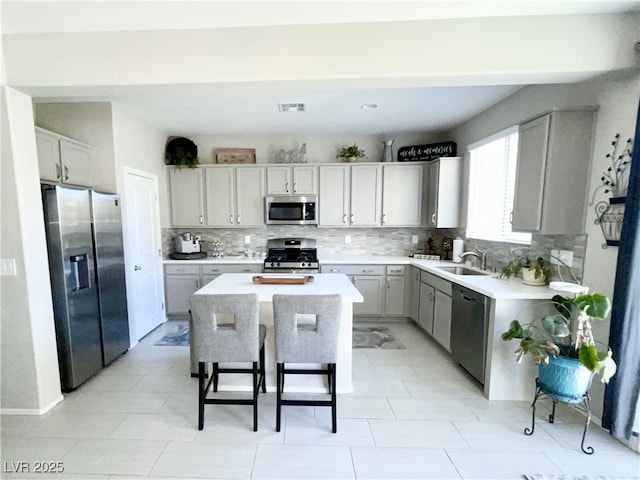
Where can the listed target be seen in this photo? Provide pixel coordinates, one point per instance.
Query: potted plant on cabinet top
(350, 154)
(181, 152)
(537, 273)
(563, 346)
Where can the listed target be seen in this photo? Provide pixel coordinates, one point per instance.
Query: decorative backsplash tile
(385, 241)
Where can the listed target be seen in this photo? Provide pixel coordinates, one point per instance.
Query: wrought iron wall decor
(615, 180)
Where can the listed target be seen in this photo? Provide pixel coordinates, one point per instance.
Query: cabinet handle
(352, 218)
(238, 218)
(367, 271)
(231, 219)
(433, 218)
(388, 284)
(344, 218)
(294, 187)
(511, 217)
(287, 187)
(334, 270)
(201, 219)
(58, 170)
(137, 267)
(384, 216)
(246, 270)
(66, 173)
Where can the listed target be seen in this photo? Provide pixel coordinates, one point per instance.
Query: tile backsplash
(385, 241)
(370, 241)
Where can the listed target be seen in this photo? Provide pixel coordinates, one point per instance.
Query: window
(492, 178)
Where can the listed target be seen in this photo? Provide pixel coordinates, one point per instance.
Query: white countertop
(489, 284)
(323, 283)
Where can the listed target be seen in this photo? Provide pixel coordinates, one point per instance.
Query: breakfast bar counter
(323, 283)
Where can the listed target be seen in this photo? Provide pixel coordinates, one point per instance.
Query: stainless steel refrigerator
(86, 266)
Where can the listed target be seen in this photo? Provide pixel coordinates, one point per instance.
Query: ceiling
(253, 108)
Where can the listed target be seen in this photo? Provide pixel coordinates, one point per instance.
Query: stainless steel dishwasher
(469, 315)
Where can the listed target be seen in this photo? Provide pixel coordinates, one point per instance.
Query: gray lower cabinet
(412, 297)
(181, 281)
(395, 294)
(434, 314)
(369, 280)
(383, 287)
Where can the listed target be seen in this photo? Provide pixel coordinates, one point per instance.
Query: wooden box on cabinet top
(552, 178)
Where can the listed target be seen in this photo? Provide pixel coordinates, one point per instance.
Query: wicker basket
(564, 378)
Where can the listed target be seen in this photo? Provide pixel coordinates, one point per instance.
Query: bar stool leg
(334, 403)
(279, 386)
(201, 395)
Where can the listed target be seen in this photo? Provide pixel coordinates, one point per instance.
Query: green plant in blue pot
(567, 355)
(567, 333)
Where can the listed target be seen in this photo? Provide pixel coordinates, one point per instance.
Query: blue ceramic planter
(564, 378)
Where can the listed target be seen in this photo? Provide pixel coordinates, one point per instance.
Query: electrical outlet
(566, 257)
(8, 266)
(347, 239)
(414, 239)
(247, 239)
(561, 257)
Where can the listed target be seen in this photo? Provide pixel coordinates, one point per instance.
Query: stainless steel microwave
(291, 210)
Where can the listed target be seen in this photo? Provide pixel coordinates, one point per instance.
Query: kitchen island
(323, 283)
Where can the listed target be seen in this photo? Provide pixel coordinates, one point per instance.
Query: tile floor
(413, 415)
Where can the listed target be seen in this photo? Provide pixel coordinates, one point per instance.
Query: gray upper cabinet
(350, 195)
(235, 196)
(401, 195)
(444, 193)
(552, 179)
(292, 180)
(186, 190)
(62, 159)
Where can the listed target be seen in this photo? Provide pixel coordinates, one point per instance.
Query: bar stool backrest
(228, 342)
(298, 342)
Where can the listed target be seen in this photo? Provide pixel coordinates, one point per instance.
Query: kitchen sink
(462, 271)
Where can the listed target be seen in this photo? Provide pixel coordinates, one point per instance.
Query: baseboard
(31, 411)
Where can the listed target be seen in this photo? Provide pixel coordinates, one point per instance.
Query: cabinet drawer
(182, 269)
(354, 269)
(438, 283)
(241, 268)
(395, 269)
(213, 269)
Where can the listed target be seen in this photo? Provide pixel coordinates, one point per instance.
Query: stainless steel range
(291, 255)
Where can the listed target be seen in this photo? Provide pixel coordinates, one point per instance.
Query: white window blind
(492, 175)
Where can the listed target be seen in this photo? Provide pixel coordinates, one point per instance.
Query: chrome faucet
(482, 255)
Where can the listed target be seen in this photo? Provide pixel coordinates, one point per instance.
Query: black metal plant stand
(582, 404)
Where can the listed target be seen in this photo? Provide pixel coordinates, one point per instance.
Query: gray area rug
(363, 337)
(177, 336)
(375, 337)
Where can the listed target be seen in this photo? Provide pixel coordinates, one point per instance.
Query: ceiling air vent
(292, 107)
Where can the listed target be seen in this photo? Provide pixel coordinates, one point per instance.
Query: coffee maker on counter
(187, 247)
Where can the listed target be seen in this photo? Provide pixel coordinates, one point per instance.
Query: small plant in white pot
(533, 273)
(350, 154)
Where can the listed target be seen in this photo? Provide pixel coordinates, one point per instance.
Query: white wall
(29, 362)
(618, 106)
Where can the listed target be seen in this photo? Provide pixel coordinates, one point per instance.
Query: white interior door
(145, 285)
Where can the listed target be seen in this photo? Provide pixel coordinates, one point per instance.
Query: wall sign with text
(429, 151)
